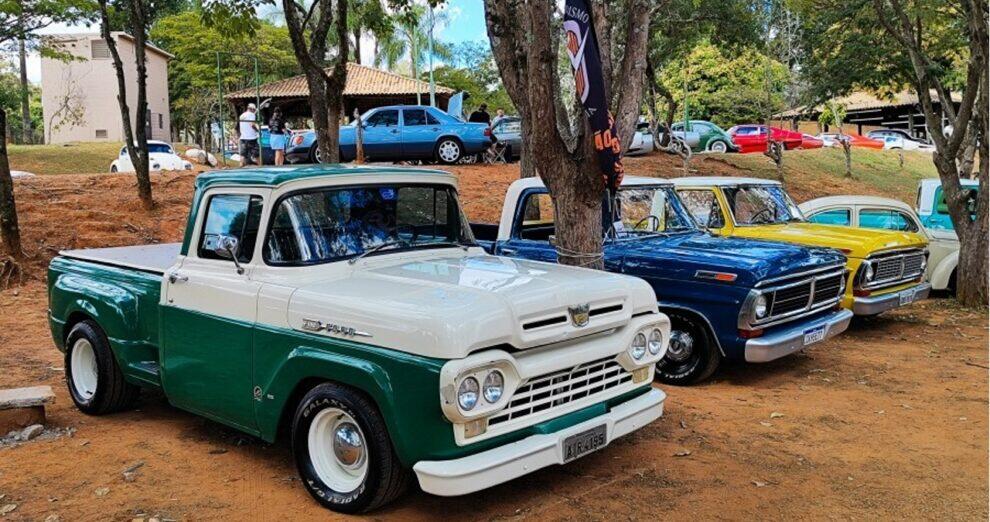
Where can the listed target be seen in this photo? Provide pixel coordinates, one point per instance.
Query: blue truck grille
(801, 295)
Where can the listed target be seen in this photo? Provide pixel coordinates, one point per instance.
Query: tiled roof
(361, 81)
(861, 100)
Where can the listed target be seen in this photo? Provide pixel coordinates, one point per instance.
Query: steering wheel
(651, 217)
(765, 210)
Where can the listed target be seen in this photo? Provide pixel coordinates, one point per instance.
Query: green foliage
(725, 87)
(832, 115)
(473, 69)
(10, 101)
(20, 18)
(193, 72)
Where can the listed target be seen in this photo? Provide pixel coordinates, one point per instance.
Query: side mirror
(553, 240)
(228, 248)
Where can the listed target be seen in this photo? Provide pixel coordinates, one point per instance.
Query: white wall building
(79, 97)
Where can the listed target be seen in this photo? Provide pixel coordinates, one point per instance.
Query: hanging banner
(582, 48)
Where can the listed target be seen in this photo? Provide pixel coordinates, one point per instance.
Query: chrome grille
(895, 268)
(793, 297)
(562, 387)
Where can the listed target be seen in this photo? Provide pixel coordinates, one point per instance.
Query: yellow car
(886, 268)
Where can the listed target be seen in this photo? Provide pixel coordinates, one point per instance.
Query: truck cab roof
(277, 176)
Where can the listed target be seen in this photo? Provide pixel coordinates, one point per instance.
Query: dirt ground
(887, 421)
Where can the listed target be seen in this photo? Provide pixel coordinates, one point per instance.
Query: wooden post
(359, 136)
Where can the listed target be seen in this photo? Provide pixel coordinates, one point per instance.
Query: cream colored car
(890, 214)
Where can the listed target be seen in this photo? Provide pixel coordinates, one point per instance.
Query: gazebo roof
(361, 81)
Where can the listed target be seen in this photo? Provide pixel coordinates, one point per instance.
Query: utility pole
(433, 95)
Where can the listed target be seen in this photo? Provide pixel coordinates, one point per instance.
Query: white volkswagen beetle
(890, 214)
(161, 156)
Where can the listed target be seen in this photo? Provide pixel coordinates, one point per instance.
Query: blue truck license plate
(814, 335)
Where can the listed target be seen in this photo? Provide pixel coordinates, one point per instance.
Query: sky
(467, 23)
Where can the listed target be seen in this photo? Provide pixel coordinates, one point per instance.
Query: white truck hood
(449, 306)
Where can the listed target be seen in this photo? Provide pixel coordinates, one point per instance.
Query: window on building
(101, 134)
(161, 121)
(99, 50)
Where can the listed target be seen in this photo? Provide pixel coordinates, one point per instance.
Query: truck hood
(854, 242)
(448, 307)
(681, 256)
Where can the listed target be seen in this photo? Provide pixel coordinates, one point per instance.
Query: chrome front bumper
(791, 339)
(882, 303)
(504, 463)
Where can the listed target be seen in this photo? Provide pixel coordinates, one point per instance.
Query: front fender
(942, 272)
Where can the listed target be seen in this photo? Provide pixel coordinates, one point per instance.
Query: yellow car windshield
(761, 205)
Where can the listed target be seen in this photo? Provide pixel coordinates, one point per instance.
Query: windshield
(330, 225)
(761, 205)
(650, 210)
(152, 148)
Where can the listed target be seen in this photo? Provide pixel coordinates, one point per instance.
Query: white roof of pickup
(721, 181)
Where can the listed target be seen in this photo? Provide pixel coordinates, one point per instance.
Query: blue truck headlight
(494, 385)
(760, 307)
(638, 347)
(467, 394)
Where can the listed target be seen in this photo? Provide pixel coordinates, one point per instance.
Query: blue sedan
(398, 133)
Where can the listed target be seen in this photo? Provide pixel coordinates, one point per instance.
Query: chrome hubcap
(337, 450)
(718, 147)
(449, 151)
(84, 372)
(681, 346)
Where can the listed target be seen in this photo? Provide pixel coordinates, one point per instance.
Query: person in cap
(248, 130)
(481, 115)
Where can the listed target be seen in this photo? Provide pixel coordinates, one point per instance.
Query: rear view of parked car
(508, 132)
(704, 136)
(400, 133)
(753, 138)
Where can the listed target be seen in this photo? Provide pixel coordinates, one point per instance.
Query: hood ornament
(580, 314)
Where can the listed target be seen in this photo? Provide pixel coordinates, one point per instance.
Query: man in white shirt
(249, 135)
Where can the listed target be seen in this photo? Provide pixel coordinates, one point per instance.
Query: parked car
(399, 133)
(880, 134)
(508, 131)
(753, 138)
(350, 308)
(811, 142)
(890, 214)
(718, 292)
(642, 142)
(704, 136)
(833, 139)
(885, 268)
(902, 143)
(931, 205)
(161, 156)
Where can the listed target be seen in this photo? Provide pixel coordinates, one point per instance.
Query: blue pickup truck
(727, 298)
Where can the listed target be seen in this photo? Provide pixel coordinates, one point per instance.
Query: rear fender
(113, 307)
(942, 272)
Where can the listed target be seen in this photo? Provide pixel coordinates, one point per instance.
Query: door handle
(507, 251)
(395, 131)
(175, 277)
(435, 129)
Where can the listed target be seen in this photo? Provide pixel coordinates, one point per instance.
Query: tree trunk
(10, 234)
(526, 167)
(334, 111)
(357, 45)
(321, 114)
(27, 136)
(358, 138)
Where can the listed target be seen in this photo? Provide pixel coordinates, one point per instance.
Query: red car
(811, 142)
(753, 138)
(855, 140)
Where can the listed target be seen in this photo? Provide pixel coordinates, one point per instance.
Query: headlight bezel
(761, 302)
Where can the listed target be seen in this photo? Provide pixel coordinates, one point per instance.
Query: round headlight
(494, 384)
(760, 307)
(924, 263)
(467, 394)
(868, 272)
(638, 348)
(656, 342)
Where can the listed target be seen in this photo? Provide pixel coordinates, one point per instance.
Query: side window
(703, 207)
(413, 117)
(237, 215)
(389, 118)
(424, 212)
(537, 221)
(886, 219)
(431, 119)
(838, 216)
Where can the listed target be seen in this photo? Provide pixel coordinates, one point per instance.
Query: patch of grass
(876, 171)
(69, 158)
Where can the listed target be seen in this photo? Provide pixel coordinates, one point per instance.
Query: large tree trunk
(27, 136)
(526, 167)
(10, 234)
(357, 45)
(321, 113)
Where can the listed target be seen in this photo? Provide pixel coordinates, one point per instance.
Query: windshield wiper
(376, 248)
(462, 246)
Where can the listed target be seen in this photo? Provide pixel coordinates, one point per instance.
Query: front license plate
(907, 296)
(581, 444)
(814, 335)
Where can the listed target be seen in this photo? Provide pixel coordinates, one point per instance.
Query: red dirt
(886, 421)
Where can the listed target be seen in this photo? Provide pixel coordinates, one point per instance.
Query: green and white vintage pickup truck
(349, 309)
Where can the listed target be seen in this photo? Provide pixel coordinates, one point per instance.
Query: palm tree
(411, 37)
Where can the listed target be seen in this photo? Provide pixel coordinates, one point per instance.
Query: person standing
(248, 129)
(499, 116)
(278, 133)
(481, 115)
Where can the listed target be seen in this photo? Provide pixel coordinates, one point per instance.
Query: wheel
(343, 452)
(718, 146)
(95, 381)
(692, 355)
(113, 169)
(449, 151)
(314, 155)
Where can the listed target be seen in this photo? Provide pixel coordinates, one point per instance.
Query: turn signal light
(750, 334)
